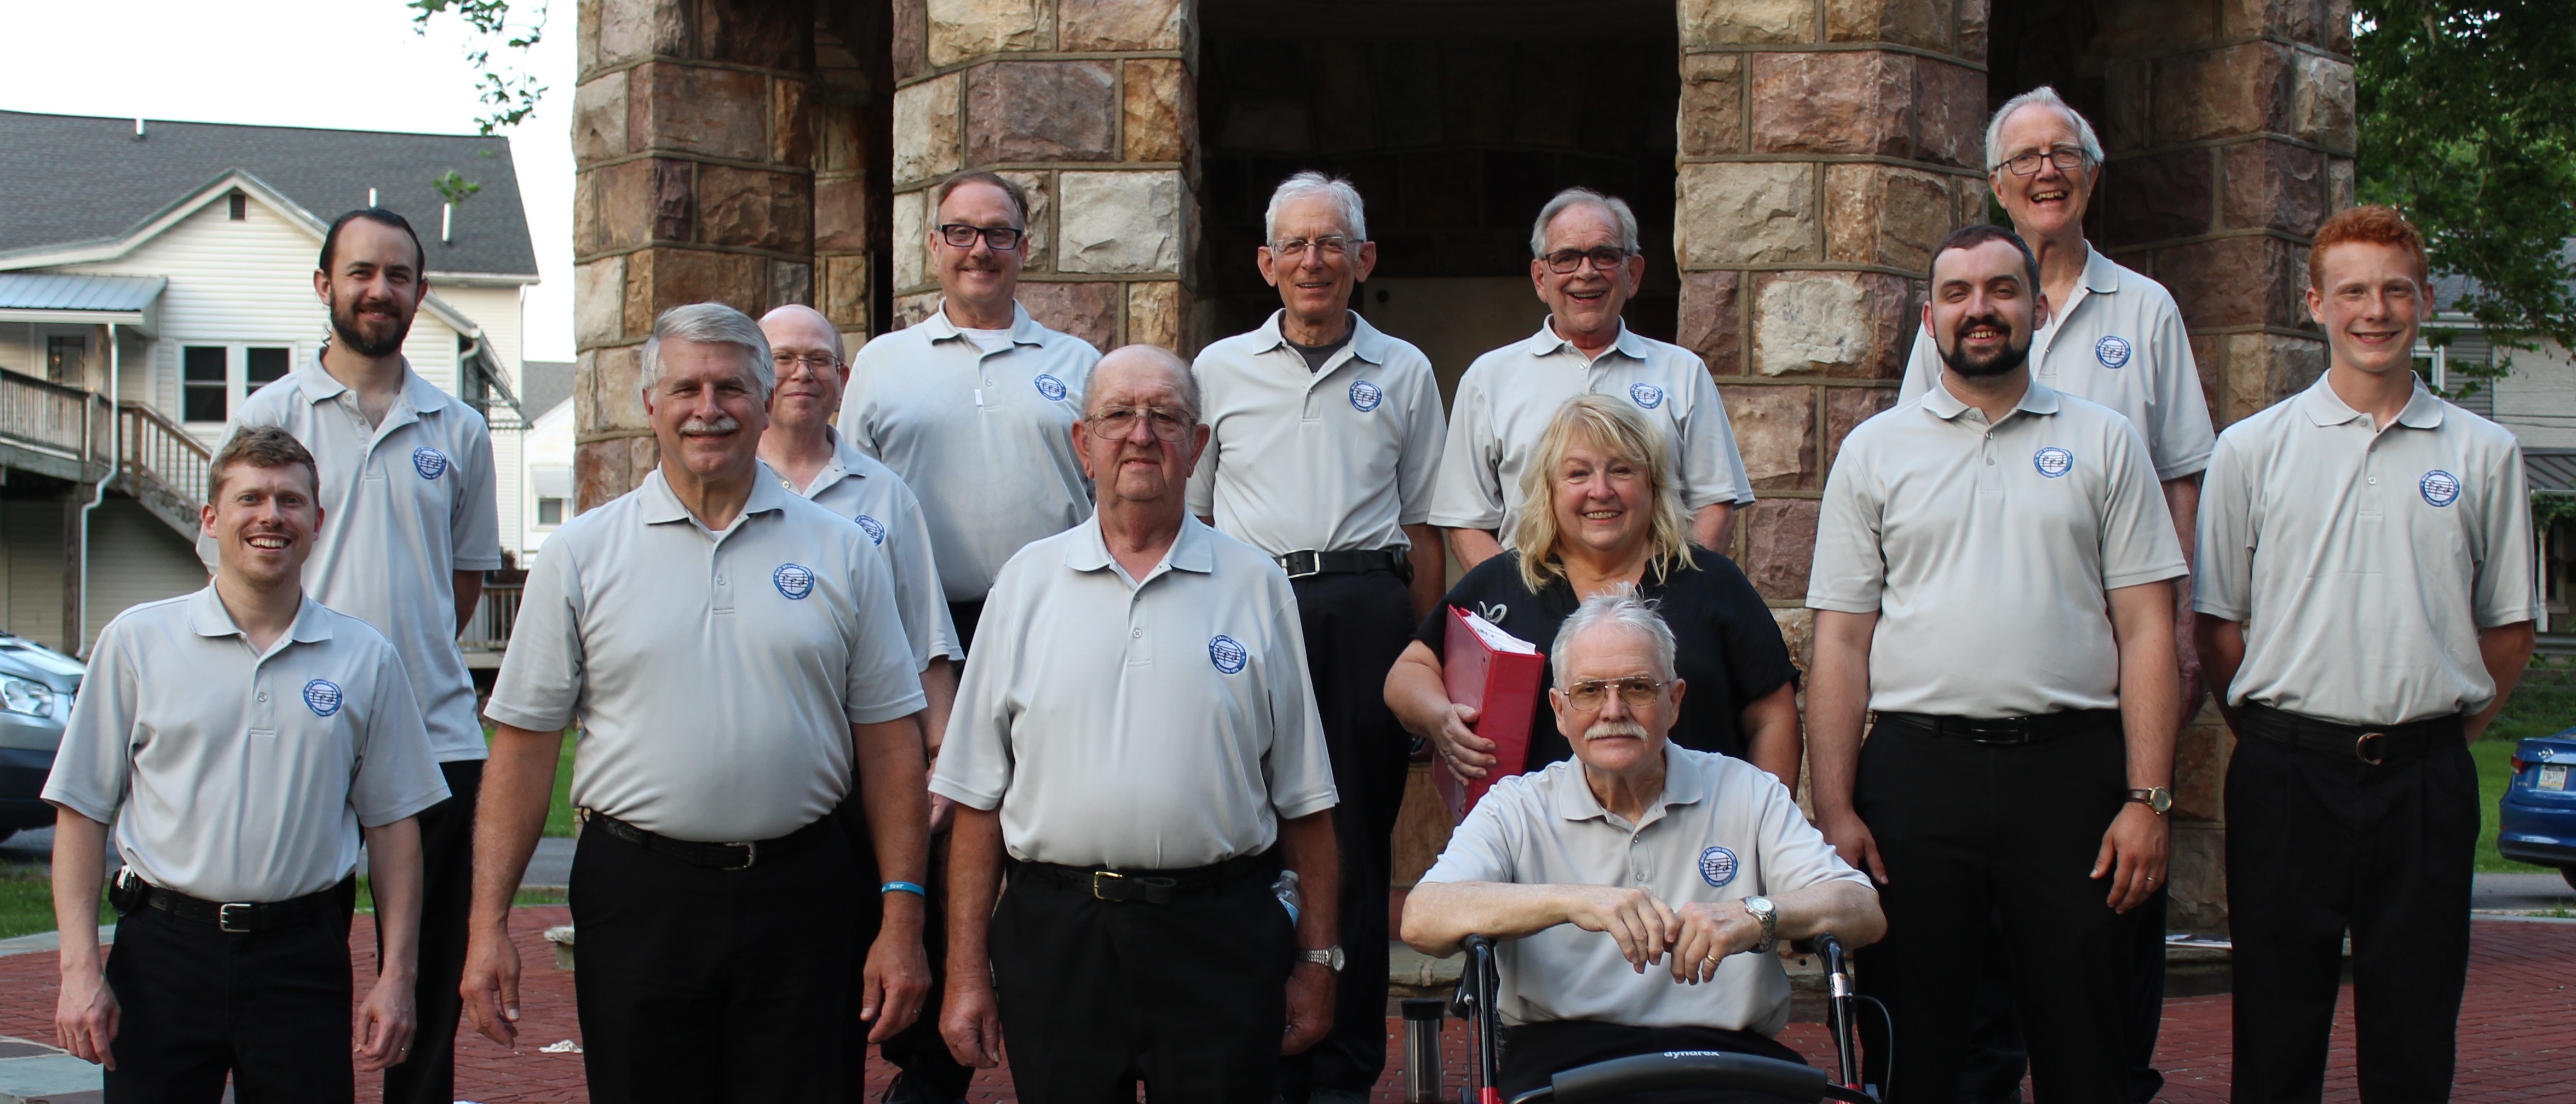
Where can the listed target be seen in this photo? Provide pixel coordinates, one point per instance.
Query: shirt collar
(2039, 399)
(1546, 341)
(320, 386)
(659, 505)
(1686, 782)
(2101, 277)
(1024, 330)
(844, 465)
(1189, 552)
(1367, 342)
(2325, 408)
(207, 617)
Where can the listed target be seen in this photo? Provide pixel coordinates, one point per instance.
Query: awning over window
(81, 300)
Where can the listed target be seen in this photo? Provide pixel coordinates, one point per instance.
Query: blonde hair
(1618, 429)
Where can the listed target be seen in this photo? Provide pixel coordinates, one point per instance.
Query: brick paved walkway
(2514, 1038)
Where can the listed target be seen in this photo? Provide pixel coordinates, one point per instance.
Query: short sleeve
(1468, 493)
(882, 680)
(2506, 590)
(1297, 766)
(540, 684)
(93, 763)
(397, 775)
(2181, 438)
(1849, 572)
(2223, 568)
(919, 595)
(1712, 467)
(1426, 432)
(2138, 542)
(975, 763)
(474, 529)
(1794, 854)
(1480, 848)
(1922, 366)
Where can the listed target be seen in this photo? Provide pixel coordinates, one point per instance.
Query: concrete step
(33, 1073)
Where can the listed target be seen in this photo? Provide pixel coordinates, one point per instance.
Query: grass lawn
(2544, 703)
(27, 900)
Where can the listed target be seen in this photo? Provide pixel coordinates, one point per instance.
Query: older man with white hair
(732, 656)
(1635, 853)
(1585, 261)
(1323, 438)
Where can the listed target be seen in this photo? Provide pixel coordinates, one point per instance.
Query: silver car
(37, 685)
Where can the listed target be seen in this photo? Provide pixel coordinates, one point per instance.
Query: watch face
(2163, 799)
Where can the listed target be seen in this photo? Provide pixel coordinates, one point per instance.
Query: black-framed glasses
(2066, 158)
(1605, 260)
(817, 362)
(962, 236)
(1117, 423)
(1332, 246)
(1639, 691)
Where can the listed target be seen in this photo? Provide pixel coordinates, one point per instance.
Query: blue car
(37, 685)
(2539, 816)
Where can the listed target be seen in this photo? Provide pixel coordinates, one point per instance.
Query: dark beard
(345, 331)
(2012, 356)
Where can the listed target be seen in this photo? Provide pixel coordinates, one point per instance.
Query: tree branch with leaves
(509, 90)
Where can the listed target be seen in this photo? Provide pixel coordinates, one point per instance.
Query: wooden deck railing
(51, 418)
(494, 617)
(157, 447)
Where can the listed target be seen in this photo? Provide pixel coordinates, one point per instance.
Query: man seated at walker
(1636, 892)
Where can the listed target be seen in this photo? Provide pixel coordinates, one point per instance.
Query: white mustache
(1601, 730)
(723, 423)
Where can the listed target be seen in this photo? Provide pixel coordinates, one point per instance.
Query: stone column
(1090, 106)
(692, 135)
(2230, 133)
(1825, 147)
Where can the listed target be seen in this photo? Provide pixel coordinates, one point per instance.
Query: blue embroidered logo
(875, 529)
(1050, 387)
(1717, 866)
(1365, 396)
(1228, 654)
(2440, 488)
(430, 462)
(322, 696)
(2113, 352)
(1647, 395)
(2053, 461)
(793, 580)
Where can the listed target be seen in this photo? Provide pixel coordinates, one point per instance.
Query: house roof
(2449, 289)
(544, 383)
(99, 181)
(55, 292)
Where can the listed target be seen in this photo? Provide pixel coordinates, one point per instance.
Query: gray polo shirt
(1987, 551)
(715, 674)
(1330, 460)
(1723, 830)
(2119, 342)
(2362, 562)
(239, 775)
(983, 437)
(1161, 723)
(405, 505)
(1509, 395)
(872, 495)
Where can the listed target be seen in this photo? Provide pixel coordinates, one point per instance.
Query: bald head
(1135, 369)
(805, 348)
(803, 327)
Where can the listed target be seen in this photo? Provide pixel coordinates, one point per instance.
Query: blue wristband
(903, 887)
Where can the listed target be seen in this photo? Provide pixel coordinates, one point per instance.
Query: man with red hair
(2366, 597)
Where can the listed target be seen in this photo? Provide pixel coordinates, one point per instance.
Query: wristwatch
(1761, 908)
(1330, 957)
(2157, 799)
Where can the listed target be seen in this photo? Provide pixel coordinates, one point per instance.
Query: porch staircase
(65, 432)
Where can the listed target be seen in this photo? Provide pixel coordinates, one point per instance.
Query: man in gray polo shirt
(2366, 598)
(1992, 576)
(1585, 262)
(242, 739)
(1136, 745)
(1594, 870)
(732, 654)
(810, 457)
(408, 490)
(1324, 435)
(970, 405)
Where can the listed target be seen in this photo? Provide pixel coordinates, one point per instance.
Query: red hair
(2371, 225)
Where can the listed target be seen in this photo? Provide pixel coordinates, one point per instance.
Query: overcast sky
(351, 64)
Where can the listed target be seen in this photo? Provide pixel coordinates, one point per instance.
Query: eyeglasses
(1117, 423)
(1332, 246)
(1604, 260)
(960, 235)
(816, 362)
(2066, 158)
(1639, 691)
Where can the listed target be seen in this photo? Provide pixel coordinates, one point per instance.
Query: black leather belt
(1354, 561)
(2038, 729)
(2372, 744)
(714, 856)
(241, 917)
(1151, 887)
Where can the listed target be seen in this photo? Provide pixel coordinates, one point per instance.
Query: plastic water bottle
(1289, 898)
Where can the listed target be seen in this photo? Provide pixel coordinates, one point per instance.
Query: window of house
(65, 360)
(204, 390)
(264, 366)
(240, 206)
(550, 511)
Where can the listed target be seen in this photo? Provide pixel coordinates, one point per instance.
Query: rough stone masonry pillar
(2230, 132)
(695, 155)
(1825, 147)
(1090, 105)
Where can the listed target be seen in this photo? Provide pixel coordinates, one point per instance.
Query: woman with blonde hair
(1611, 518)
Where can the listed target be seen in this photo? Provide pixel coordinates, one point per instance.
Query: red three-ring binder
(1498, 674)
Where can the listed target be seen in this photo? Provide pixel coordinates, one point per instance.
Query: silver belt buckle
(750, 855)
(1314, 563)
(224, 917)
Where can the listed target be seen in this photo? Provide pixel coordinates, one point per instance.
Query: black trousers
(2319, 843)
(1189, 998)
(1997, 1056)
(1355, 626)
(447, 896)
(270, 1008)
(917, 1050)
(966, 615)
(1971, 830)
(698, 985)
(1535, 1052)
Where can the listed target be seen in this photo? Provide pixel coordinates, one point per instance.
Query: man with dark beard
(1993, 576)
(407, 488)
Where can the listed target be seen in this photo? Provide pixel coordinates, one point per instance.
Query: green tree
(2468, 124)
(508, 90)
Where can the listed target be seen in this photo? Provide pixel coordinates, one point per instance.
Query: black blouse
(1726, 646)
